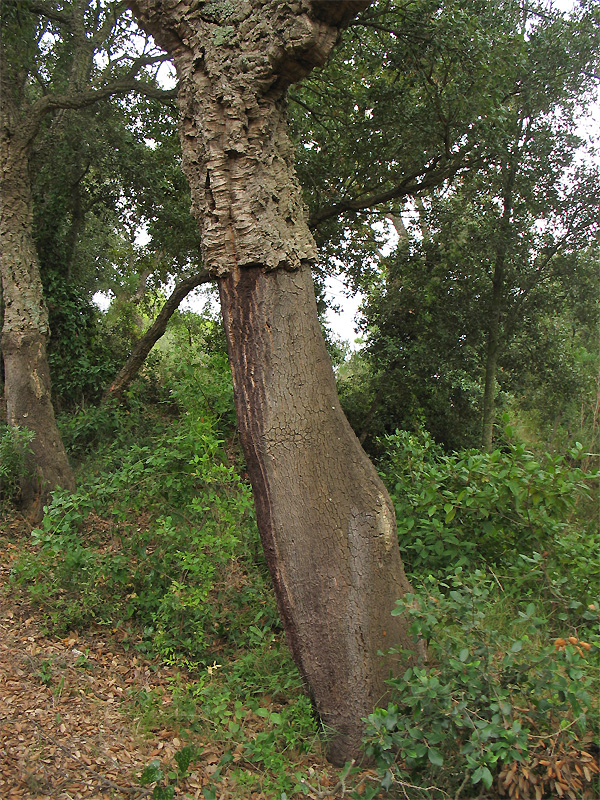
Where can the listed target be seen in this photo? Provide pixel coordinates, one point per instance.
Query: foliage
(487, 254)
(14, 443)
(252, 710)
(164, 788)
(160, 542)
(81, 356)
(179, 518)
(510, 510)
(421, 362)
(497, 701)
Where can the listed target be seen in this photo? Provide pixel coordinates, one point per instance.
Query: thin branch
(412, 184)
(153, 334)
(47, 10)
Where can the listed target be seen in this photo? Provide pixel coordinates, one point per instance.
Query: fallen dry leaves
(66, 732)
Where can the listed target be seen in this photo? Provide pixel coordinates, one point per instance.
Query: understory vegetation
(450, 178)
(159, 545)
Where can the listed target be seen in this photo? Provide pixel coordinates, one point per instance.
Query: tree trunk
(491, 359)
(326, 522)
(495, 310)
(25, 331)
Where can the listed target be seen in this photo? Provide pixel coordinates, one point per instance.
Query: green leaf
(435, 757)
(486, 777)
(163, 793)
(387, 781)
(152, 772)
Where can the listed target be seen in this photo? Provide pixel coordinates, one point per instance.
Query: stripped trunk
(326, 522)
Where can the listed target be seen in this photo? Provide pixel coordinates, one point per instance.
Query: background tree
(48, 65)
(486, 249)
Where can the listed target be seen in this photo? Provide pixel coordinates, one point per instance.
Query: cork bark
(25, 325)
(326, 522)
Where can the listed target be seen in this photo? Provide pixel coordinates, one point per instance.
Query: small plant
(165, 784)
(82, 661)
(45, 672)
(14, 446)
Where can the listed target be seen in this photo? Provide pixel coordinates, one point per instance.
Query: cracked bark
(25, 328)
(326, 522)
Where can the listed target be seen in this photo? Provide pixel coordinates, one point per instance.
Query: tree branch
(417, 182)
(85, 98)
(153, 334)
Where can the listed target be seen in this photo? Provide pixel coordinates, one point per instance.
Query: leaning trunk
(326, 522)
(146, 342)
(25, 332)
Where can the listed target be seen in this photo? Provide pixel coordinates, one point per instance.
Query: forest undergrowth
(159, 547)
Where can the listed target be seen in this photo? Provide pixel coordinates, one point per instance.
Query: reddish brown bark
(326, 522)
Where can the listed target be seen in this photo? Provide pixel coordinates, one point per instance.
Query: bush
(14, 446)
(157, 536)
(498, 702)
(508, 510)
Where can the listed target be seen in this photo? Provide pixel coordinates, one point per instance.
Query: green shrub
(497, 697)
(161, 535)
(508, 509)
(14, 445)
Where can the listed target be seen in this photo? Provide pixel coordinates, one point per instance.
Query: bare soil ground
(67, 729)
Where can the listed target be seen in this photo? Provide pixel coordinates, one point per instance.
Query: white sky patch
(342, 319)
(103, 300)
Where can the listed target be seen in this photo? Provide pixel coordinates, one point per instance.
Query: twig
(462, 786)
(404, 785)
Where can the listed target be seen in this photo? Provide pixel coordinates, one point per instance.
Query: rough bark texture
(25, 326)
(326, 522)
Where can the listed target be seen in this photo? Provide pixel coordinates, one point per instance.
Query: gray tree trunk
(495, 311)
(325, 519)
(25, 326)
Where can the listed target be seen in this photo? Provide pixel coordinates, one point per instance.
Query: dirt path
(66, 725)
